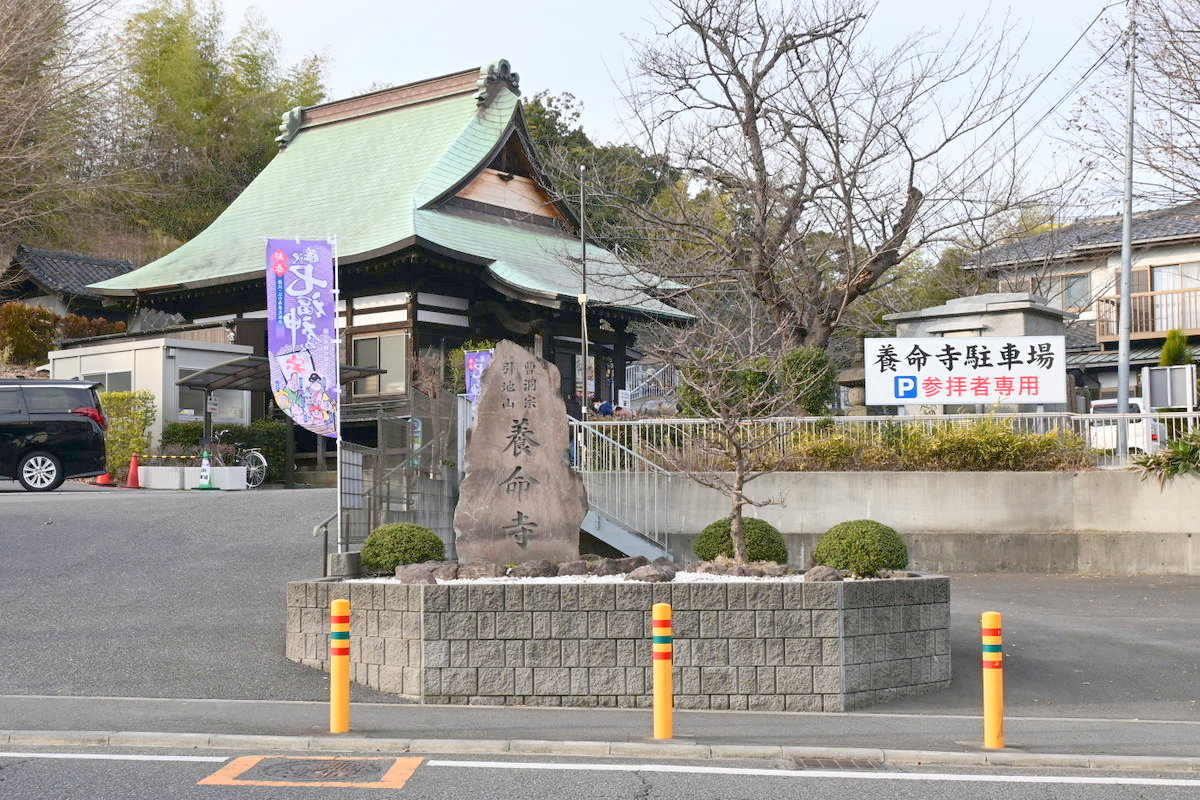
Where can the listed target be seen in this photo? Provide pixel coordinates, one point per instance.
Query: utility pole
(583, 326)
(1123, 313)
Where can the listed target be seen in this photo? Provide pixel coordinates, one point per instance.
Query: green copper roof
(372, 180)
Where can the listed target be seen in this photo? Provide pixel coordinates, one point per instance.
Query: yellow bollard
(664, 694)
(993, 681)
(339, 666)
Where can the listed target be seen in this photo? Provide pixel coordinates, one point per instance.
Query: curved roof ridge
(475, 146)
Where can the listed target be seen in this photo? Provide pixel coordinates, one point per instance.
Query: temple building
(445, 233)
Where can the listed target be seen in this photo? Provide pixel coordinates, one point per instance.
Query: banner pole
(343, 545)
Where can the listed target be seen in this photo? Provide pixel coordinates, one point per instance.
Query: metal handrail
(622, 485)
(323, 526)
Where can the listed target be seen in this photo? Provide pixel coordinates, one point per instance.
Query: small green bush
(763, 541)
(863, 547)
(1180, 456)
(397, 543)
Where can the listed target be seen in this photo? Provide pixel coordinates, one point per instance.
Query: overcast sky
(579, 47)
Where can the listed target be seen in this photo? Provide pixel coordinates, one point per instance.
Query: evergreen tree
(204, 112)
(1175, 350)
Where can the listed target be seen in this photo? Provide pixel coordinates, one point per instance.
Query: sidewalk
(906, 738)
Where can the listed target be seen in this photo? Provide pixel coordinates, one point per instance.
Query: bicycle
(249, 457)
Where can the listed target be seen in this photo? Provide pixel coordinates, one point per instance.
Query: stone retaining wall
(762, 645)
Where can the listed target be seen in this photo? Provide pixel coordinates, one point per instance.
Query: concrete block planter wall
(160, 477)
(227, 478)
(754, 645)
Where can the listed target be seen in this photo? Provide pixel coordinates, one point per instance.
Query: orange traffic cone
(131, 482)
(106, 480)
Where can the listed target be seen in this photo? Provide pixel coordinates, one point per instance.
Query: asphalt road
(157, 594)
(181, 594)
(29, 775)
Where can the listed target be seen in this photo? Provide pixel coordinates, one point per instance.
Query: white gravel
(680, 577)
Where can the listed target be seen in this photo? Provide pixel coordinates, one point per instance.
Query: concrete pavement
(892, 738)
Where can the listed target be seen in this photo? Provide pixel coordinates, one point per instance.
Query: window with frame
(388, 351)
(111, 381)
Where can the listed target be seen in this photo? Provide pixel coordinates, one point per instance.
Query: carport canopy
(253, 374)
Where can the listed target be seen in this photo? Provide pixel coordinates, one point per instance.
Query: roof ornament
(492, 78)
(290, 126)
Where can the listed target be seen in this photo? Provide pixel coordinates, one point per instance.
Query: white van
(1146, 434)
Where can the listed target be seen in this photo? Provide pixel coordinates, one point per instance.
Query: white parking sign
(966, 371)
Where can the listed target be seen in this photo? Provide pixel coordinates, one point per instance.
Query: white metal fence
(935, 442)
(644, 381)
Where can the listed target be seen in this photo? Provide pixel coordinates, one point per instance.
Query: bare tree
(814, 161)
(734, 371)
(1167, 137)
(54, 69)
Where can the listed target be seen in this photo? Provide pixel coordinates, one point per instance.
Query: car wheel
(40, 472)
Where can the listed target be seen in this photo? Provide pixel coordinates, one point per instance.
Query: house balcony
(1152, 314)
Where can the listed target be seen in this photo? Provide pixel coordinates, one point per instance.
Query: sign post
(1022, 370)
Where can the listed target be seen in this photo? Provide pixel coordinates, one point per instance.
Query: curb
(666, 749)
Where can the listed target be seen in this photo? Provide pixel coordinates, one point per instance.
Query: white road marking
(115, 757)
(814, 773)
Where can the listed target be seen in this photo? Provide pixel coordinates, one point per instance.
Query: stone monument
(520, 500)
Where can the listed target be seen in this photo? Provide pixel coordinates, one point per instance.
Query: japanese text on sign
(977, 370)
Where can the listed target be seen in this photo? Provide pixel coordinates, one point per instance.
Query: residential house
(1077, 267)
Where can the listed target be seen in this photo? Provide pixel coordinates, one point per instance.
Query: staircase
(628, 496)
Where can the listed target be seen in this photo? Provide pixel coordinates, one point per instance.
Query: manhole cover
(321, 769)
(837, 763)
(387, 772)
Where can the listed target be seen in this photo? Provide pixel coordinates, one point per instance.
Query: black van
(50, 431)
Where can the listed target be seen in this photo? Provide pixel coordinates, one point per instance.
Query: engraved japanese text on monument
(519, 500)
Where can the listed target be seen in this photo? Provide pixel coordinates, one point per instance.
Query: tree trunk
(736, 534)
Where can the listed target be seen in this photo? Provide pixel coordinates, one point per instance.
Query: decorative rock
(618, 566)
(822, 573)
(773, 570)
(605, 566)
(446, 571)
(520, 500)
(573, 568)
(663, 561)
(651, 574)
(484, 570)
(534, 569)
(415, 573)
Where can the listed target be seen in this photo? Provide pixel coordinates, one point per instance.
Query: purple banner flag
(302, 332)
(476, 363)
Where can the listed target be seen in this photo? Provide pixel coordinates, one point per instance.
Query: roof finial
(290, 126)
(492, 77)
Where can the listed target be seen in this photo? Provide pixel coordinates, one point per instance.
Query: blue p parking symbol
(906, 387)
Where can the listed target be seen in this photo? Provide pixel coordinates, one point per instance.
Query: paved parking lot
(181, 594)
(156, 594)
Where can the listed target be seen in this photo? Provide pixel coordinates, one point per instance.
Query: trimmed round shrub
(397, 543)
(763, 541)
(863, 547)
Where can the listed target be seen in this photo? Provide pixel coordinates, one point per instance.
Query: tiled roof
(374, 171)
(1081, 335)
(67, 273)
(1138, 356)
(1083, 238)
